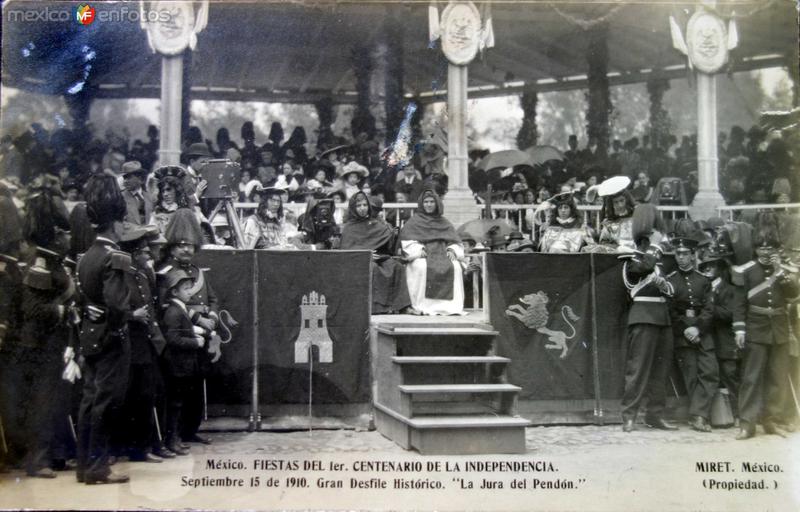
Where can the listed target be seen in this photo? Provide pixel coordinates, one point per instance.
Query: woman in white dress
(435, 255)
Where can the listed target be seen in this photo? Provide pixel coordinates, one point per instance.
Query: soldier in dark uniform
(769, 289)
(104, 340)
(649, 338)
(184, 238)
(729, 321)
(147, 343)
(11, 275)
(48, 294)
(691, 314)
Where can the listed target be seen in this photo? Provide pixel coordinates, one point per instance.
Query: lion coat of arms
(534, 315)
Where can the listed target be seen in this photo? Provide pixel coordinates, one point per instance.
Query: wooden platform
(438, 387)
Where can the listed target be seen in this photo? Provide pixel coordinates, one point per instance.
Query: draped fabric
(389, 288)
(424, 227)
(368, 232)
(436, 234)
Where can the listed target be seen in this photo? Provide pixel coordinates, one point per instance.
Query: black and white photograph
(535, 255)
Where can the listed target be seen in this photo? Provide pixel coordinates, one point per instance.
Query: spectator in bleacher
(137, 202)
(565, 231)
(642, 190)
(410, 183)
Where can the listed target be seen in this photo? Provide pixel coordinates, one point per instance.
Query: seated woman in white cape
(434, 252)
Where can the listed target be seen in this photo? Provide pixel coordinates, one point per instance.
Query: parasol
(505, 158)
(541, 154)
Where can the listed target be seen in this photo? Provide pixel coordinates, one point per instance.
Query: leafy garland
(528, 133)
(660, 125)
(363, 120)
(393, 86)
(326, 116)
(598, 96)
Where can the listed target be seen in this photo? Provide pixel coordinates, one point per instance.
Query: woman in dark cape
(434, 251)
(365, 231)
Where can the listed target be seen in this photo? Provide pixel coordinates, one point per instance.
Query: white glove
(72, 372)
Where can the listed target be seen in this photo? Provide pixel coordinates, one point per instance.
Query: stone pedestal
(460, 207)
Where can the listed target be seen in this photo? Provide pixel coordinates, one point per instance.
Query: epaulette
(164, 270)
(740, 269)
(120, 261)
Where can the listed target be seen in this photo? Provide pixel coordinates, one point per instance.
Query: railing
(735, 212)
(591, 213)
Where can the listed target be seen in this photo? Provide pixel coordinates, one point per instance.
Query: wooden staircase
(438, 389)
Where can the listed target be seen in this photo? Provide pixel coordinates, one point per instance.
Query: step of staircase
(420, 389)
(450, 360)
(454, 435)
(440, 330)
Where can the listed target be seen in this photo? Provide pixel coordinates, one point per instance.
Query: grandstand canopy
(299, 52)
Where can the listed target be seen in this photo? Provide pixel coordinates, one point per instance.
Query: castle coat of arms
(313, 330)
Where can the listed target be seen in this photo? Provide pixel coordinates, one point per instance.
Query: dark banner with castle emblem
(542, 306)
(296, 304)
(313, 327)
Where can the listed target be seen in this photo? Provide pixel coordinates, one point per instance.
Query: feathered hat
(45, 213)
(646, 221)
(184, 228)
(104, 202)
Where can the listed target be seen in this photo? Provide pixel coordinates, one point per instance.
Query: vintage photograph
(400, 255)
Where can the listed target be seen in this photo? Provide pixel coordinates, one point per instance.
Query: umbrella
(484, 230)
(541, 154)
(478, 229)
(505, 158)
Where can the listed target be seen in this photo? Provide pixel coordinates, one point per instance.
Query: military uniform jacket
(203, 302)
(145, 338)
(691, 306)
(182, 351)
(43, 306)
(101, 274)
(767, 301)
(730, 310)
(649, 303)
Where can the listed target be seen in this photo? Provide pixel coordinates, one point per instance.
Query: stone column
(169, 152)
(708, 198)
(459, 204)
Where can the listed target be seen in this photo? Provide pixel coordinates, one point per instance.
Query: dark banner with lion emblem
(542, 306)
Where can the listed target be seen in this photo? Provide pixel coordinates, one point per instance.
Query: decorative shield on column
(707, 41)
(461, 31)
(173, 26)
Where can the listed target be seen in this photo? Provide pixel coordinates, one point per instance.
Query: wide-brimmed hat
(197, 149)
(613, 186)
(354, 167)
(174, 278)
(133, 167)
